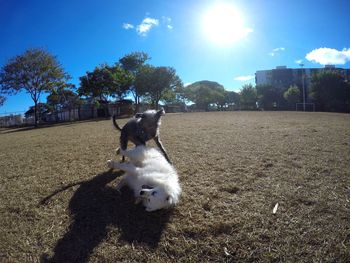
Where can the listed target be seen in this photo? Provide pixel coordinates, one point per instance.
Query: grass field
(58, 200)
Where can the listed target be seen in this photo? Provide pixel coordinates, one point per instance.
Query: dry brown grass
(58, 201)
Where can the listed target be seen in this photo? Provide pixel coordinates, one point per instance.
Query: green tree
(220, 96)
(292, 95)
(62, 98)
(169, 96)
(154, 82)
(120, 81)
(248, 97)
(269, 96)
(59, 97)
(204, 93)
(100, 83)
(330, 91)
(36, 71)
(41, 108)
(93, 86)
(222, 99)
(233, 99)
(133, 63)
(103, 82)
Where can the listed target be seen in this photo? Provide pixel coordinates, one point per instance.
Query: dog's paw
(117, 151)
(110, 164)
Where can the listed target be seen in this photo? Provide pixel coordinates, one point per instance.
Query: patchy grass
(58, 200)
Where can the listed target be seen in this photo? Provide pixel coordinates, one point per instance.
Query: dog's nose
(142, 192)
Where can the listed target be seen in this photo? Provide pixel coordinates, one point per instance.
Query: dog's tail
(115, 123)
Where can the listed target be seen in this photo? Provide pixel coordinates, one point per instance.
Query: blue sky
(84, 34)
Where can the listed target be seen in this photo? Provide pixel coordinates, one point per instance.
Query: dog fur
(142, 128)
(154, 180)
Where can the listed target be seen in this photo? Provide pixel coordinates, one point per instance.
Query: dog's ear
(161, 112)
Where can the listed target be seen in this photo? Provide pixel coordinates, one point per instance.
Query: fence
(84, 112)
(123, 108)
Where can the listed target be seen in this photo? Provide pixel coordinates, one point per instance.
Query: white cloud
(299, 61)
(187, 84)
(150, 21)
(146, 25)
(167, 21)
(276, 50)
(245, 78)
(128, 26)
(326, 56)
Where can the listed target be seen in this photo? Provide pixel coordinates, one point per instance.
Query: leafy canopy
(203, 93)
(292, 95)
(62, 98)
(248, 96)
(105, 81)
(330, 91)
(35, 71)
(268, 95)
(133, 63)
(157, 83)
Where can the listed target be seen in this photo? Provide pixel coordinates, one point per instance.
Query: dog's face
(155, 199)
(150, 121)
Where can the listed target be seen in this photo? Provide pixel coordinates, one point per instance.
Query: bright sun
(223, 24)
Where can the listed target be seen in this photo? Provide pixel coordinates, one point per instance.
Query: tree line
(36, 71)
(329, 91)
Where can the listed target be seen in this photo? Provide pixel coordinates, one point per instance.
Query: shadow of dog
(94, 207)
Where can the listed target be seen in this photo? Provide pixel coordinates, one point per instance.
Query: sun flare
(224, 24)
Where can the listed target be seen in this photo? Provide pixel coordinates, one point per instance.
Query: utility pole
(302, 80)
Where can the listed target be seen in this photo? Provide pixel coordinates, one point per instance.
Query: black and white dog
(140, 129)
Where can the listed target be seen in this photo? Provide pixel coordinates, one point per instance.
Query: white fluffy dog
(154, 181)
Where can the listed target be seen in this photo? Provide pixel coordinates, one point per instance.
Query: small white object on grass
(275, 208)
(226, 252)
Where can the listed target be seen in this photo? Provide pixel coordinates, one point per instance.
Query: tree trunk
(35, 113)
(69, 114)
(137, 101)
(106, 110)
(56, 113)
(79, 114)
